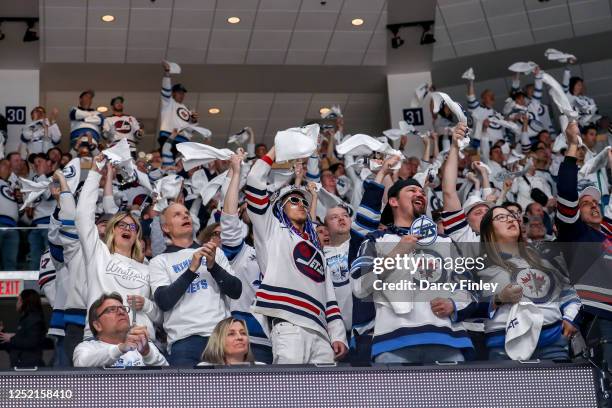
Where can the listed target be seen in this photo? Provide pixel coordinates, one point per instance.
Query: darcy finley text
(437, 286)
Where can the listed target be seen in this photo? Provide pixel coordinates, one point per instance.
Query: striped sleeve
(362, 277)
(567, 199)
(332, 311)
(525, 143)
(566, 80)
(537, 88)
(166, 88)
(457, 228)
(167, 156)
(472, 102)
(516, 85)
(368, 212)
(312, 169)
(232, 241)
(256, 193)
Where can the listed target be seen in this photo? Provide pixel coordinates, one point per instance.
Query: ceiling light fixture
(102, 109)
(108, 18)
(233, 20)
(214, 111)
(357, 22)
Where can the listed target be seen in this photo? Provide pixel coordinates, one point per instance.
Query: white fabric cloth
(523, 329)
(166, 189)
(364, 145)
(438, 98)
(523, 67)
(96, 353)
(198, 154)
(205, 133)
(469, 74)
(292, 344)
(33, 190)
(239, 138)
(559, 97)
(595, 163)
(174, 67)
(556, 55)
(296, 143)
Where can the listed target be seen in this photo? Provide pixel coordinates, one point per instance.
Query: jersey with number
(38, 139)
(123, 126)
(48, 284)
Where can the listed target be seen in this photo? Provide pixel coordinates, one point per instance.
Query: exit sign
(10, 287)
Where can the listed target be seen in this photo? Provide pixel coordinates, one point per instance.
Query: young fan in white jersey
(192, 285)
(243, 259)
(116, 343)
(115, 264)
(42, 133)
(84, 120)
(296, 300)
(122, 126)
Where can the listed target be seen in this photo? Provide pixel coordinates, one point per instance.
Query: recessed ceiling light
(357, 22)
(108, 18)
(102, 109)
(214, 111)
(233, 20)
(324, 111)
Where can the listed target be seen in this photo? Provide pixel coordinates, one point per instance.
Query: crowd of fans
(191, 255)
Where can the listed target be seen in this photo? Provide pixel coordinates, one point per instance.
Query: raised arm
(450, 198)
(86, 212)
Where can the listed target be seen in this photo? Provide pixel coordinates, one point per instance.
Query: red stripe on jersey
(267, 160)
(332, 311)
(255, 200)
(453, 220)
(588, 295)
(292, 301)
(567, 211)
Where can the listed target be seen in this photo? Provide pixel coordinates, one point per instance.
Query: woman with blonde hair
(114, 264)
(228, 344)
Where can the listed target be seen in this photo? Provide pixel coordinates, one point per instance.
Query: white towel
(513, 126)
(296, 143)
(559, 97)
(239, 138)
(595, 163)
(364, 145)
(213, 186)
(438, 98)
(523, 67)
(198, 154)
(469, 74)
(174, 67)
(523, 329)
(206, 133)
(556, 55)
(166, 189)
(32, 190)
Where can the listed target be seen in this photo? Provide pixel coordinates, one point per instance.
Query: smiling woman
(228, 344)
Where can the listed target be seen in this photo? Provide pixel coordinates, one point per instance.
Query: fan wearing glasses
(115, 262)
(115, 343)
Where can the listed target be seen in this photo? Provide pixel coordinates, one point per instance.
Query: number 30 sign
(15, 115)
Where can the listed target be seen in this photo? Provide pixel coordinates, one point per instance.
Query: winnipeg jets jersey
(123, 126)
(84, 121)
(336, 259)
(480, 112)
(174, 115)
(9, 209)
(38, 139)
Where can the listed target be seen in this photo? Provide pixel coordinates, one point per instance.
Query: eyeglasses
(115, 310)
(127, 227)
(216, 234)
(297, 200)
(506, 217)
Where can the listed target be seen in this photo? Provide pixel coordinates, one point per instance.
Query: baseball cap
(115, 99)
(474, 201)
(87, 91)
(178, 88)
(386, 217)
(592, 191)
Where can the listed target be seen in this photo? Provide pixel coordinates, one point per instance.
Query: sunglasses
(127, 227)
(297, 200)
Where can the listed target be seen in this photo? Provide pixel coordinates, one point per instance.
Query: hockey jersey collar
(175, 248)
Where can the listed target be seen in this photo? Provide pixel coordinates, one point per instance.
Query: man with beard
(122, 126)
(411, 325)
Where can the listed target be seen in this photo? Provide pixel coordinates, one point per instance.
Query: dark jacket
(26, 347)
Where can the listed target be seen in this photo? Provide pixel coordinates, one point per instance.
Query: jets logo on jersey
(494, 125)
(309, 261)
(183, 114)
(123, 126)
(69, 171)
(426, 228)
(537, 285)
(430, 266)
(7, 193)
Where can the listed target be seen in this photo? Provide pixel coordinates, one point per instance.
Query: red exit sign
(10, 287)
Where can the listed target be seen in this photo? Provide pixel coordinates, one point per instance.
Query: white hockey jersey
(85, 121)
(336, 259)
(117, 127)
(9, 208)
(174, 115)
(38, 139)
(297, 286)
(480, 112)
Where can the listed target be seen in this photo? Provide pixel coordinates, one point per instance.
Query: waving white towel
(595, 163)
(523, 67)
(438, 98)
(198, 154)
(469, 74)
(364, 145)
(296, 143)
(523, 329)
(205, 133)
(239, 138)
(559, 97)
(166, 189)
(174, 67)
(513, 126)
(556, 55)
(33, 190)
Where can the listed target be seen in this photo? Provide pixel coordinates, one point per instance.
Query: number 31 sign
(15, 115)
(414, 116)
